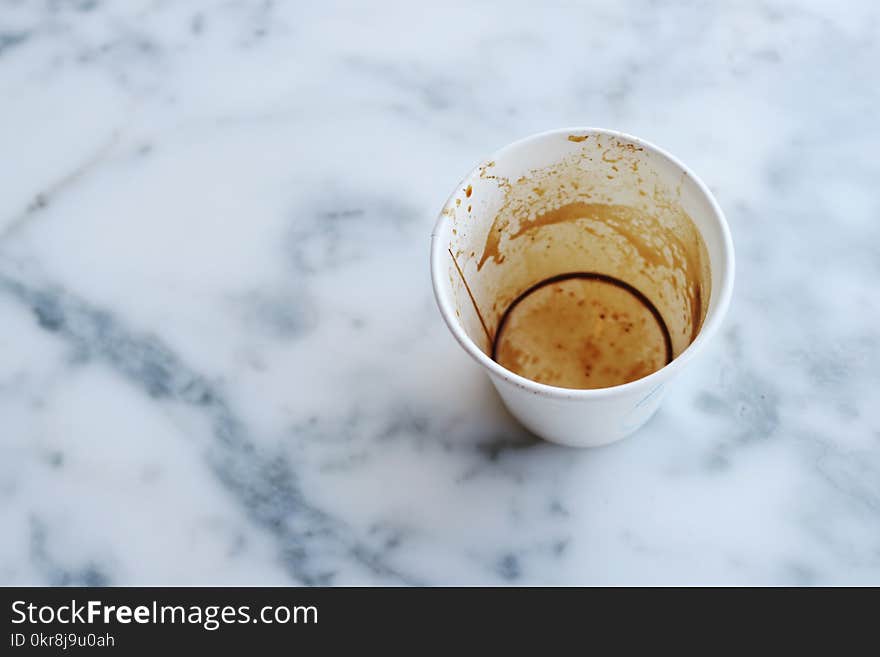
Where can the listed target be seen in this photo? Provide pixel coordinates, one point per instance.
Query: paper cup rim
(714, 316)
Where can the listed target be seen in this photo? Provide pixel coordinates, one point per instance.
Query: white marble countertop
(221, 360)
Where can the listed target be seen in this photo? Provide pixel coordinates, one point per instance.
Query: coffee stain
(696, 296)
(471, 295)
(624, 221)
(632, 148)
(615, 217)
(493, 242)
(655, 239)
(607, 158)
(582, 330)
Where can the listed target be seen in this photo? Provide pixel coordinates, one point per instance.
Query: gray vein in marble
(44, 197)
(342, 226)
(89, 574)
(219, 191)
(263, 483)
(10, 40)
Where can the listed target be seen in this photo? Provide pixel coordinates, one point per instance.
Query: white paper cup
(582, 200)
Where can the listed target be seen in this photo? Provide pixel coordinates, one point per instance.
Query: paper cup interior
(583, 202)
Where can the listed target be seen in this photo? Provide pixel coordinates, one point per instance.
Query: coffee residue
(582, 331)
(616, 217)
(628, 223)
(600, 209)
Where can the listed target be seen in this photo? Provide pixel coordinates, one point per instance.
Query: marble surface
(221, 360)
